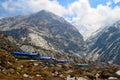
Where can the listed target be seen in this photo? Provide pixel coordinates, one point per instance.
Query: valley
(49, 35)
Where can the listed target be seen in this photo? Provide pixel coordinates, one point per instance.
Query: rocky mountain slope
(8, 43)
(17, 69)
(105, 45)
(44, 29)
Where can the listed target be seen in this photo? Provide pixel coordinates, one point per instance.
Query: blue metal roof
(46, 57)
(25, 53)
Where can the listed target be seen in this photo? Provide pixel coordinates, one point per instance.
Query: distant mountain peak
(44, 11)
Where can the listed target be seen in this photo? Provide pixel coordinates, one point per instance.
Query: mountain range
(47, 33)
(50, 35)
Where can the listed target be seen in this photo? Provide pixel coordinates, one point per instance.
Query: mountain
(105, 45)
(42, 38)
(44, 29)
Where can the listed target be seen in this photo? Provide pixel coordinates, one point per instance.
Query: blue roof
(25, 54)
(46, 57)
(63, 61)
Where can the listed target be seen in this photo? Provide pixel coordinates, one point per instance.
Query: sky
(86, 15)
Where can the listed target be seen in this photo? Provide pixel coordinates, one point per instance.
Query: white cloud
(109, 3)
(33, 6)
(53, 6)
(5, 5)
(12, 6)
(88, 19)
(116, 1)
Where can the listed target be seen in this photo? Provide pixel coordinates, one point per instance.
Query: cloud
(5, 5)
(88, 19)
(26, 6)
(109, 3)
(15, 7)
(52, 6)
(116, 1)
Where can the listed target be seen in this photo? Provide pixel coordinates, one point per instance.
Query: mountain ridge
(105, 46)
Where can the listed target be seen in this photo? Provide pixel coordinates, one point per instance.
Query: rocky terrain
(19, 69)
(8, 43)
(15, 69)
(105, 45)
